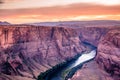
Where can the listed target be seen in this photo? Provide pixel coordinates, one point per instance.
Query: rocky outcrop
(91, 71)
(108, 56)
(27, 51)
(107, 62)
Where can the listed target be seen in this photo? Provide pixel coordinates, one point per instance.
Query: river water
(84, 57)
(71, 69)
(67, 70)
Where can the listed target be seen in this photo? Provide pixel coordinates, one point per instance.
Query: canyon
(28, 50)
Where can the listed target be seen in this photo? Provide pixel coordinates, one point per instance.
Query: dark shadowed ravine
(66, 70)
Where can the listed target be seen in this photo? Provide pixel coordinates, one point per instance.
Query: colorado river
(84, 57)
(66, 70)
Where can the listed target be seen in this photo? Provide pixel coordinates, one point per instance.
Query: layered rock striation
(108, 56)
(107, 62)
(27, 51)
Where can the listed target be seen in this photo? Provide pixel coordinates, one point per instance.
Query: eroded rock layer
(109, 53)
(26, 51)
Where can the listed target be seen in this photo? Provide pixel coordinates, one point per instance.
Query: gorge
(66, 70)
(27, 50)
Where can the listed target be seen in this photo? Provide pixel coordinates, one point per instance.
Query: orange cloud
(4, 1)
(61, 12)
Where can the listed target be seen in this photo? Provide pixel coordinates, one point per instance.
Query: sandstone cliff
(109, 53)
(107, 63)
(26, 50)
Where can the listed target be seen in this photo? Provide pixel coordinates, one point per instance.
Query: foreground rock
(91, 71)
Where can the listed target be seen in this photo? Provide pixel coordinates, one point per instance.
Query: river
(66, 70)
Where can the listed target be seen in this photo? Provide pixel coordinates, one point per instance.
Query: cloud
(9, 0)
(66, 11)
(1, 2)
(18, 4)
(73, 9)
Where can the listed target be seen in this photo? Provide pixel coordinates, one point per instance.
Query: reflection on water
(84, 57)
(66, 70)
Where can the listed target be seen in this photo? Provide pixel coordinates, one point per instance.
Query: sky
(27, 11)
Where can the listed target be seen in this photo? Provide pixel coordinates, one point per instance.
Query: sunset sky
(27, 11)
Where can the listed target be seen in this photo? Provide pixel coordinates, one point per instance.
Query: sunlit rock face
(27, 51)
(108, 56)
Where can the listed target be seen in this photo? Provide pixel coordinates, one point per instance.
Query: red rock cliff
(28, 50)
(109, 53)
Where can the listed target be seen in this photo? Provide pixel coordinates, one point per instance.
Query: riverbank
(91, 71)
(66, 70)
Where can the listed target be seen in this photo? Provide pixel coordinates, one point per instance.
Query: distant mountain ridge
(4, 23)
(78, 23)
(92, 23)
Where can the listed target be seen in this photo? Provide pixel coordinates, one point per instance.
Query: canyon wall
(109, 53)
(107, 62)
(27, 51)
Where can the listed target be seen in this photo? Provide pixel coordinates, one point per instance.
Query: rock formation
(107, 63)
(26, 51)
(109, 53)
